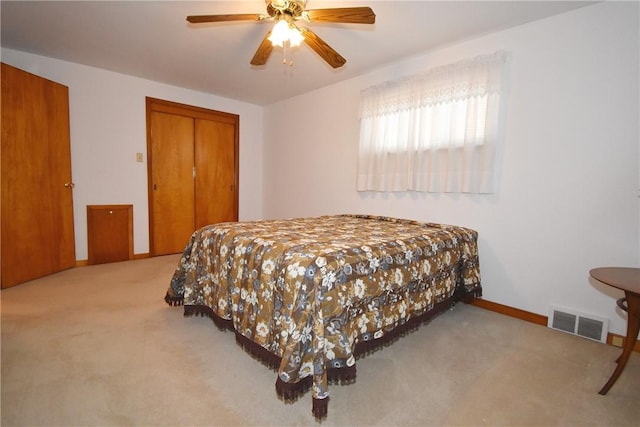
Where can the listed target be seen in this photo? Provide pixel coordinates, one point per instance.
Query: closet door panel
(216, 195)
(172, 191)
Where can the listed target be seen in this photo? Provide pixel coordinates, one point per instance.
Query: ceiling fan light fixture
(284, 32)
(295, 36)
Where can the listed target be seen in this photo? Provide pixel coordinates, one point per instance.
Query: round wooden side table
(628, 280)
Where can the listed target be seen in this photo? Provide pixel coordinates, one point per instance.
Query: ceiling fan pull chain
(287, 50)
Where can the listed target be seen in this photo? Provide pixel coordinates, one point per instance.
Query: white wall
(569, 174)
(108, 128)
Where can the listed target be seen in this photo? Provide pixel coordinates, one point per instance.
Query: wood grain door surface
(215, 173)
(172, 177)
(193, 172)
(37, 198)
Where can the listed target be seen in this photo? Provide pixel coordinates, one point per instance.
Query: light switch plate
(139, 157)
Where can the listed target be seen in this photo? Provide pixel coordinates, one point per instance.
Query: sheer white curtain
(433, 132)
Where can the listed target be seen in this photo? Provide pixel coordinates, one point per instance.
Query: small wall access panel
(110, 233)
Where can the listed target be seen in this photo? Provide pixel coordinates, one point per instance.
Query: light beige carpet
(97, 346)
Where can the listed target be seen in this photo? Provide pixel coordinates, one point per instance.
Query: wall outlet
(617, 341)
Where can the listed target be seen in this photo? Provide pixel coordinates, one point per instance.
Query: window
(432, 132)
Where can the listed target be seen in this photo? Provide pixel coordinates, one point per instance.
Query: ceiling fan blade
(263, 52)
(321, 48)
(199, 19)
(352, 15)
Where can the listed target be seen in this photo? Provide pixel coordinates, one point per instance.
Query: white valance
(473, 77)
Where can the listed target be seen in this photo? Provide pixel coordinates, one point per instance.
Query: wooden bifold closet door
(192, 169)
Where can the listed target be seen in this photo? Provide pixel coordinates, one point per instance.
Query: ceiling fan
(286, 13)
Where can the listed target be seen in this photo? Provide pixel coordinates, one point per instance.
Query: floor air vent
(572, 322)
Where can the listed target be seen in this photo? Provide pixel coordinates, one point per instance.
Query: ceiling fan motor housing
(293, 8)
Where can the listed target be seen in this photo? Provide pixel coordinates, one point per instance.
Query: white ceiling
(152, 40)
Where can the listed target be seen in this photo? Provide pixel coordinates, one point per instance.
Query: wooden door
(37, 198)
(193, 171)
(172, 192)
(215, 173)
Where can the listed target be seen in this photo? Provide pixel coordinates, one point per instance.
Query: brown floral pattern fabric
(309, 290)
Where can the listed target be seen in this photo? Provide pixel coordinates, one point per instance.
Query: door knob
(69, 185)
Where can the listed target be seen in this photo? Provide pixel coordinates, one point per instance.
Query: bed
(308, 296)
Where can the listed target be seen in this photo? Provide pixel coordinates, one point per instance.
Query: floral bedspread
(309, 290)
